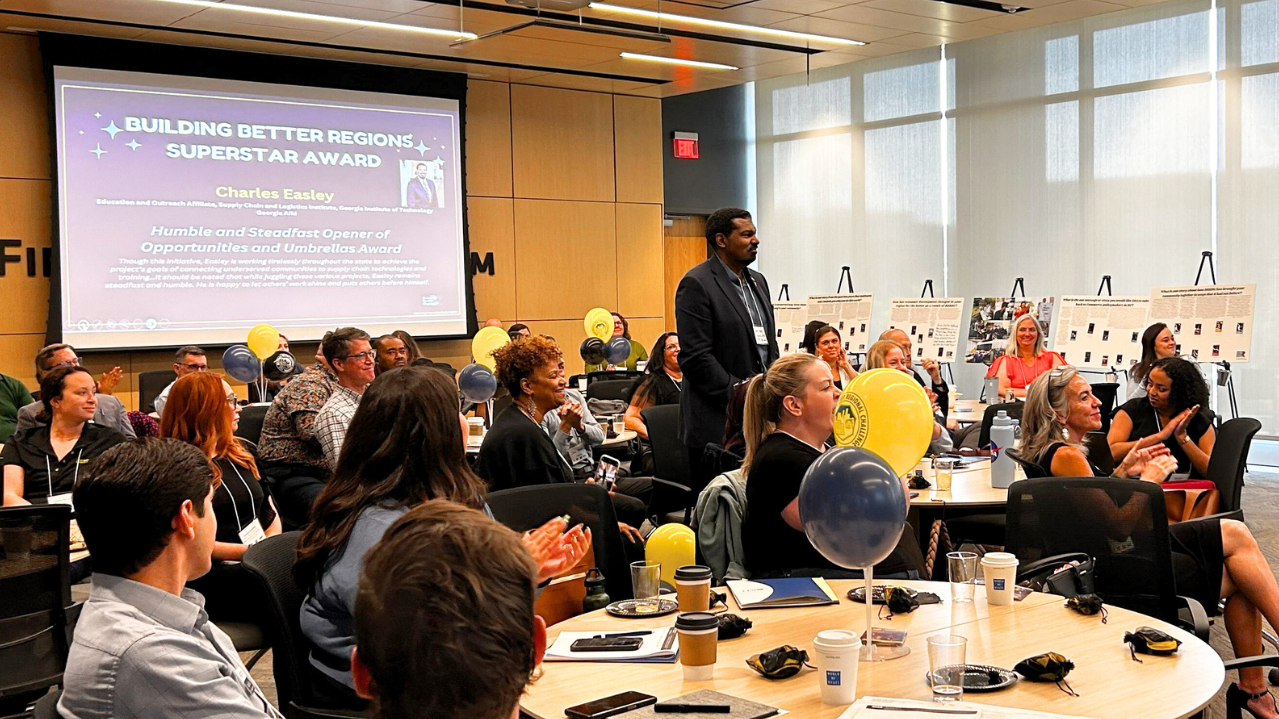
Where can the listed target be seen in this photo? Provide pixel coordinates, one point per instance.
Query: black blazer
(717, 347)
(518, 453)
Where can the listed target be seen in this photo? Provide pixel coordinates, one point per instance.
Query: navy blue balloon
(592, 350)
(239, 362)
(618, 350)
(853, 507)
(477, 383)
(279, 366)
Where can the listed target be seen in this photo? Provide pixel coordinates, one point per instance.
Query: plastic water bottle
(1002, 435)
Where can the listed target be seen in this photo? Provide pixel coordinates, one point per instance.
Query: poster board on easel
(933, 324)
(1101, 332)
(1211, 323)
(848, 313)
(790, 318)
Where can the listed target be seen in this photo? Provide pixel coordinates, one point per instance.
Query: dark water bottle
(596, 597)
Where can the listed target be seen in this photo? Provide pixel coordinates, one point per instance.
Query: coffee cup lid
(837, 638)
(999, 559)
(692, 573)
(696, 621)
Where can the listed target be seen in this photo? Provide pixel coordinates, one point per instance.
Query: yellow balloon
(599, 323)
(672, 546)
(485, 341)
(886, 412)
(264, 341)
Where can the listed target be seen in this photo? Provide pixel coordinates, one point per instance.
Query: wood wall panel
(25, 215)
(492, 226)
(562, 144)
(637, 123)
(639, 260)
(17, 353)
(684, 247)
(568, 335)
(565, 258)
(24, 121)
(488, 138)
(646, 330)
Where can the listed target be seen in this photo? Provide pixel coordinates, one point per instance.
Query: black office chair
(672, 483)
(592, 377)
(525, 508)
(35, 591)
(270, 561)
(1106, 392)
(1230, 459)
(1013, 409)
(151, 384)
(1032, 470)
(617, 389)
(1099, 451)
(1055, 516)
(251, 419)
(47, 706)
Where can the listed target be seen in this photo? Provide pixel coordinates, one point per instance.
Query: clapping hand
(108, 381)
(1173, 428)
(554, 550)
(570, 415)
(1139, 461)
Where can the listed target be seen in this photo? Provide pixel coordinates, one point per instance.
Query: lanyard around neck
(234, 507)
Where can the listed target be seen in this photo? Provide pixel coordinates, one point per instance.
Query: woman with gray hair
(1212, 559)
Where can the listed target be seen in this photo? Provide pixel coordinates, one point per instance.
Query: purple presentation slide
(192, 209)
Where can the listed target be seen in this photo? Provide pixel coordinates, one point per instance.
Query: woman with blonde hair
(790, 411)
(1025, 358)
(1212, 559)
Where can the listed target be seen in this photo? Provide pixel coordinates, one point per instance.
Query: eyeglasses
(192, 367)
(369, 355)
(232, 400)
(73, 362)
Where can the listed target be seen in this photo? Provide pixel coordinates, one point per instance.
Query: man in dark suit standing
(725, 322)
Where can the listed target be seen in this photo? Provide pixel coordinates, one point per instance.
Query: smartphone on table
(610, 706)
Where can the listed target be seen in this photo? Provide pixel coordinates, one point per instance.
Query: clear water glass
(963, 575)
(946, 656)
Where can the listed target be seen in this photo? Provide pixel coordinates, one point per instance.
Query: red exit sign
(685, 145)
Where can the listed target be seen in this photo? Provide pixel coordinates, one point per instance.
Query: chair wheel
(1274, 677)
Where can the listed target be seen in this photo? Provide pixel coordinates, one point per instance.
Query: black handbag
(1066, 575)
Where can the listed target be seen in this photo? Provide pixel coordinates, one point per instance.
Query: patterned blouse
(288, 431)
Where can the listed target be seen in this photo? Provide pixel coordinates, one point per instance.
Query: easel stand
(928, 291)
(1225, 378)
(844, 272)
(785, 291)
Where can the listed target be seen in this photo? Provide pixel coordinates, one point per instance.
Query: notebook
(660, 647)
(788, 592)
(741, 708)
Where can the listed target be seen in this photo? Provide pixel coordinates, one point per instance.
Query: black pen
(692, 708)
(925, 710)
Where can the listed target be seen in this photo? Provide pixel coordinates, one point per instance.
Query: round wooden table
(967, 411)
(622, 438)
(969, 487)
(1109, 683)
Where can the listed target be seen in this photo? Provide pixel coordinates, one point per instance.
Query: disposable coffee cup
(698, 639)
(693, 588)
(1000, 569)
(836, 652)
(475, 426)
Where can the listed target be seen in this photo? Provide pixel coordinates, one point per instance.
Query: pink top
(1020, 375)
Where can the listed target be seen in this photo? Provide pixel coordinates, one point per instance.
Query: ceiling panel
(889, 26)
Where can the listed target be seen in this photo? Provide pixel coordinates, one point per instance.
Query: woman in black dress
(663, 382)
(1213, 559)
(1171, 413)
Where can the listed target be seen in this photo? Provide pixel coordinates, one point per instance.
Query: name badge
(64, 498)
(761, 337)
(252, 533)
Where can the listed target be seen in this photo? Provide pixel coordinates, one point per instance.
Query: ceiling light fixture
(677, 61)
(722, 25)
(275, 12)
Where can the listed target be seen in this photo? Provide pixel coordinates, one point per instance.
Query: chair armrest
(1264, 660)
(673, 485)
(1054, 561)
(1198, 617)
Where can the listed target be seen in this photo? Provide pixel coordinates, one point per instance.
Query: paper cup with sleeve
(698, 644)
(1000, 569)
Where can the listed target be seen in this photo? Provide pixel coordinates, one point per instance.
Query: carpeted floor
(1261, 506)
